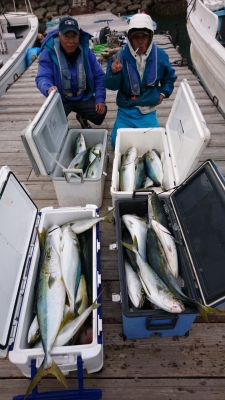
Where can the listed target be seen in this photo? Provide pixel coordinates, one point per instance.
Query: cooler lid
(199, 205)
(46, 133)
(17, 220)
(187, 133)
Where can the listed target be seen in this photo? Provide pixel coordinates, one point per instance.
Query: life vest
(152, 75)
(65, 71)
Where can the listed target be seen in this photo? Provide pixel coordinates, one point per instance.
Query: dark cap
(68, 24)
(133, 32)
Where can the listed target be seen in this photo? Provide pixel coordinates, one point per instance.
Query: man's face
(141, 42)
(69, 41)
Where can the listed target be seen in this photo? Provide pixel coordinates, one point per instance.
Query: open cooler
(196, 215)
(20, 251)
(180, 144)
(50, 146)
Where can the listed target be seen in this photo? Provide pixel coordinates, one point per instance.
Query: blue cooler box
(196, 216)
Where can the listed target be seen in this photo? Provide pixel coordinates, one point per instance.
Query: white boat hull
(207, 54)
(16, 64)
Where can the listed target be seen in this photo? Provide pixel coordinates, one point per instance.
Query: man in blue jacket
(143, 76)
(68, 65)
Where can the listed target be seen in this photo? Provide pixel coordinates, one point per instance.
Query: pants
(86, 109)
(133, 118)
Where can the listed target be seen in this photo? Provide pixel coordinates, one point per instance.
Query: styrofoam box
(180, 143)
(20, 256)
(50, 145)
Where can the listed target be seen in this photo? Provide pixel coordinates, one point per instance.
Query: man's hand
(116, 65)
(100, 108)
(161, 99)
(52, 88)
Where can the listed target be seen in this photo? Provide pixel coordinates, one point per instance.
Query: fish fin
(54, 370)
(70, 316)
(106, 216)
(133, 246)
(42, 237)
(205, 311)
(51, 281)
(146, 289)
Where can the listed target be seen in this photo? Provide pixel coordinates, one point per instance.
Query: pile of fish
(63, 290)
(140, 172)
(86, 158)
(151, 262)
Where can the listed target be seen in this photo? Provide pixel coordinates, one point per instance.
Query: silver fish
(53, 238)
(134, 286)
(81, 299)
(34, 332)
(94, 169)
(51, 297)
(80, 144)
(169, 246)
(139, 177)
(156, 291)
(70, 264)
(70, 329)
(156, 256)
(127, 170)
(81, 225)
(137, 227)
(153, 167)
(95, 150)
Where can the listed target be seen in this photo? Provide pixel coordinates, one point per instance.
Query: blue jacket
(49, 74)
(150, 95)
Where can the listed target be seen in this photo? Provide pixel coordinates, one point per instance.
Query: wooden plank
(155, 368)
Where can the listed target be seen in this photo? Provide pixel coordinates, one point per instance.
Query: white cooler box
(19, 221)
(50, 146)
(180, 143)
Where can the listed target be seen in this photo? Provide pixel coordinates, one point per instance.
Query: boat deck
(187, 368)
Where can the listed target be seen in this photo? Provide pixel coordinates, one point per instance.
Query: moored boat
(18, 33)
(206, 30)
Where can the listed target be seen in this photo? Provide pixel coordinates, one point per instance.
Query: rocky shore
(47, 9)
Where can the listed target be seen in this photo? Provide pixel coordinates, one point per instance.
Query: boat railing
(27, 5)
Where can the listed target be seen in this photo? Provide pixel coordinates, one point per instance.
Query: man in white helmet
(143, 76)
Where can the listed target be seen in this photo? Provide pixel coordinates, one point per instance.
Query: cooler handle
(141, 192)
(67, 171)
(170, 324)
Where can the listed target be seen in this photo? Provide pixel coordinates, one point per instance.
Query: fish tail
(42, 237)
(133, 247)
(54, 370)
(107, 215)
(205, 311)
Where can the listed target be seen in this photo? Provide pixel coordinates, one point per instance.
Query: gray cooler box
(50, 146)
(196, 216)
(19, 221)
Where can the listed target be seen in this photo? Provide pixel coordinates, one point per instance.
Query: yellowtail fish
(81, 225)
(127, 170)
(157, 257)
(155, 289)
(80, 144)
(153, 167)
(51, 297)
(70, 264)
(169, 246)
(134, 286)
(137, 227)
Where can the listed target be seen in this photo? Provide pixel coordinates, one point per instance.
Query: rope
(193, 5)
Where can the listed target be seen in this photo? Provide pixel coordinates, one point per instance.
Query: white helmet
(140, 22)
